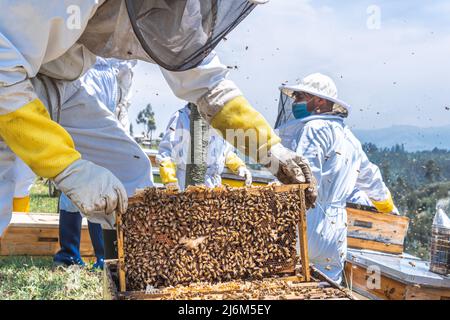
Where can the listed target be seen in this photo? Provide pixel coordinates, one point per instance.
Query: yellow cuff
(21, 204)
(233, 162)
(385, 206)
(45, 146)
(245, 128)
(168, 172)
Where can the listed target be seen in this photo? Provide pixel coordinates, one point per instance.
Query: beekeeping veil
(175, 34)
(317, 85)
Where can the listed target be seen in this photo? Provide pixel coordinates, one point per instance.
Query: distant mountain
(414, 138)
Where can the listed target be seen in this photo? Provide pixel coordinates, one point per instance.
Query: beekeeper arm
(371, 182)
(25, 125)
(27, 129)
(223, 105)
(165, 160)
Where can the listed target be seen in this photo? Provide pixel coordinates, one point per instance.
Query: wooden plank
(374, 245)
(109, 285)
(426, 293)
(377, 226)
(389, 289)
(31, 220)
(200, 191)
(303, 238)
(38, 241)
(239, 183)
(313, 290)
(120, 254)
(365, 229)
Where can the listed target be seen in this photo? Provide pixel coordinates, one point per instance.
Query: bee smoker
(440, 244)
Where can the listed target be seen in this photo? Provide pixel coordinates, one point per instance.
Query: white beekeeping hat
(318, 85)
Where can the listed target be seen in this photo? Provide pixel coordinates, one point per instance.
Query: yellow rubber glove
(168, 172)
(384, 206)
(233, 162)
(21, 204)
(239, 114)
(254, 137)
(45, 146)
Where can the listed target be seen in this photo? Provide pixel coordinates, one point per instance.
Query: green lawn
(40, 201)
(32, 278)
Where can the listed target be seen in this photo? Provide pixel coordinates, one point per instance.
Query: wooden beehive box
(168, 238)
(371, 230)
(38, 235)
(378, 275)
(280, 288)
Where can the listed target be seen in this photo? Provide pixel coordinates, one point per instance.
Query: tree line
(417, 181)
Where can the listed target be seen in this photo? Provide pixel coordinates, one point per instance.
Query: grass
(32, 278)
(40, 201)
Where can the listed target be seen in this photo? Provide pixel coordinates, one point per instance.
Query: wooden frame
(316, 287)
(302, 232)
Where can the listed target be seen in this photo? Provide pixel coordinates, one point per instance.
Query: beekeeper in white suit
(177, 35)
(314, 127)
(102, 89)
(173, 155)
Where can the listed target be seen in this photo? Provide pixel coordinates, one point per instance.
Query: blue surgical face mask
(300, 110)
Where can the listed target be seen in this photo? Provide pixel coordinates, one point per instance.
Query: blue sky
(395, 75)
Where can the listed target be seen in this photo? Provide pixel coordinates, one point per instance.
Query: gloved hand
(291, 168)
(385, 205)
(94, 190)
(395, 211)
(246, 174)
(168, 172)
(286, 165)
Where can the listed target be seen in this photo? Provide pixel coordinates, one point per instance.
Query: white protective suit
(110, 81)
(340, 165)
(125, 81)
(49, 46)
(175, 143)
(359, 197)
(61, 38)
(24, 179)
(86, 114)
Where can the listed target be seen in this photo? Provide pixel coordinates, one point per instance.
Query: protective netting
(284, 110)
(179, 34)
(210, 235)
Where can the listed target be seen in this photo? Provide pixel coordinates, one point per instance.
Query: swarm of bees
(210, 235)
(267, 289)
